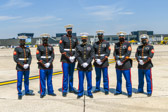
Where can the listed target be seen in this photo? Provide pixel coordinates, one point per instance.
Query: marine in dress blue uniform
(144, 55)
(45, 56)
(122, 52)
(102, 51)
(22, 57)
(84, 55)
(67, 47)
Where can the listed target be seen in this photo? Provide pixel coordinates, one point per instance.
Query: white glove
(72, 59)
(47, 65)
(25, 66)
(98, 61)
(119, 63)
(141, 62)
(85, 65)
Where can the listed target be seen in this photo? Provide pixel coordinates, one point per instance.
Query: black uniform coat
(145, 53)
(22, 55)
(67, 47)
(84, 53)
(102, 52)
(122, 52)
(45, 54)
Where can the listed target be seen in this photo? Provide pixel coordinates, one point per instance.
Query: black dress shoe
(117, 93)
(29, 94)
(78, 97)
(129, 96)
(106, 92)
(96, 91)
(90, 96)
(20, 97)
(149, 95)
(64, 94)
(137, 92)
(53, 94)
(42, 96)
(73, 91)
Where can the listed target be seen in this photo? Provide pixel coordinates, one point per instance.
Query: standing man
(102, 51)
(122, 52)
(144, 55)
(84, 55)
(22, 57)
(45, 56)
(67, 47)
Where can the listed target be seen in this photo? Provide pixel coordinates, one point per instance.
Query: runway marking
(37, 76)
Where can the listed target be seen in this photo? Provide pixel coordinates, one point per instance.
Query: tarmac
(158, 102)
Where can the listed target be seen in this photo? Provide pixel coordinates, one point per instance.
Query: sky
(112, 16)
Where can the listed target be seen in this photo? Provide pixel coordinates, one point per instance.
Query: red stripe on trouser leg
(17, 82)
(91, 77)
(130, 77)
(151, 79)
(40, 83)
(78, 80)
(62, 77)
(108, 78)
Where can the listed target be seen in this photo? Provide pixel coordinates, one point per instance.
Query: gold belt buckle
(47, 57)
(25, 59)
(120, 56)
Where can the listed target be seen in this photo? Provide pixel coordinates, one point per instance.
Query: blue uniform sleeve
(38, 56)
(30, 57)
(137, 55)
(52, 56)
(114, 53)
(92, 53)
(151, 54)
(78, 56)
(107, 54)
(16, 57)
(127, 54)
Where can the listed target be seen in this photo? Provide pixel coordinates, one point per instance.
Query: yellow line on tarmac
(36, 77)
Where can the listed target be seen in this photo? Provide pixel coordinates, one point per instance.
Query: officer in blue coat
(144, 55)
(84, 55)
(22, 57)
(45, 56)
(102, 51)
(122, 52)
(67, 47)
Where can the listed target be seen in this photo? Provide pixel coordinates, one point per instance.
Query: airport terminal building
(133, 37)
